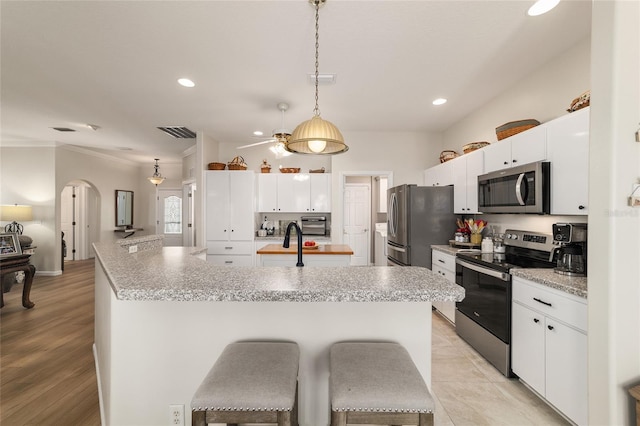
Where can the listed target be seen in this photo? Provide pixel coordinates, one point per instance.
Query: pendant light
(316, 136)
(157, 178)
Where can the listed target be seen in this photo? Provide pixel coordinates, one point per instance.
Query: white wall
(25, 178)
(614, 227)
(544, 95)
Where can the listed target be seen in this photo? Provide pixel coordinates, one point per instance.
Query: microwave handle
(521, 200)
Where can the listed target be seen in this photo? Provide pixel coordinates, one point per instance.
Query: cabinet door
(293, 192)
(529, 146)
(459, 168)
(566, 375)
(217, 205)
(528, 346)
(440, 175)
(320, 192)
(475, 167)
(241, 208)
(267, 192)
(497, 156)
(568, 149)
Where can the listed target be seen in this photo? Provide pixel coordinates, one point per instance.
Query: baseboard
(49, 273)
(100, 400)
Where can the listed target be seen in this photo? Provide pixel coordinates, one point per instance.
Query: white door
(170, 216)
(357, 222)
(68, 203)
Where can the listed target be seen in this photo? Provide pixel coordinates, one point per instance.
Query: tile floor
(469, 391)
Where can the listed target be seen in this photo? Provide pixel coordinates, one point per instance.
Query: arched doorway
(79, 220)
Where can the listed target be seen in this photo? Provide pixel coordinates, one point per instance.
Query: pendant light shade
(316, 136)
(157, 178)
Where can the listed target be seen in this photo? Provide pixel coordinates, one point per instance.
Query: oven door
(487, 298)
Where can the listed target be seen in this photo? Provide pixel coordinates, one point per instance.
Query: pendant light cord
(316, 110)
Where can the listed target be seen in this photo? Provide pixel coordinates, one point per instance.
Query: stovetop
(523, 249)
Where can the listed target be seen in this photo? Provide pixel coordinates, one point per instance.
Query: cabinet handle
(228, 262)
(514, 161)
(540, 301)
(536, 320)
(550, 327)
(505, 163)
(440, 260)
(581, 207)
(228, 248)
(232, 230)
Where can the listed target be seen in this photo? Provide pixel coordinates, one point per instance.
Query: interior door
(68, 202)
(170, 216)
(357, 222)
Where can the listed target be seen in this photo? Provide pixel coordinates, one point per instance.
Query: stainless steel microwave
(522, 189)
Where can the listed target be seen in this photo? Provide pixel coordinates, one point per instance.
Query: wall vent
(179, 132)
(63, 129)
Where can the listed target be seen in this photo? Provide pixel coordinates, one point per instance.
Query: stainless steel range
(483, 318)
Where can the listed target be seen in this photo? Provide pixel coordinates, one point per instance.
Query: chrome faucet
(286, 240)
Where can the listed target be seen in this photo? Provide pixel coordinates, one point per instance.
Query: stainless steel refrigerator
(417, 217)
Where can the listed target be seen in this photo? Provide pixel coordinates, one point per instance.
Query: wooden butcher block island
(320, 255)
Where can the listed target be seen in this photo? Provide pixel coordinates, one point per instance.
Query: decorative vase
(476, 238)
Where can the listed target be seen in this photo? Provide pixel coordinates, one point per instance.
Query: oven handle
(490, 272)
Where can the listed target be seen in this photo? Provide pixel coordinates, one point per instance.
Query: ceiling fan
(280, 136)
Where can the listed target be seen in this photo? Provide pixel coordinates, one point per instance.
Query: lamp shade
(16, 213)
(316, 136)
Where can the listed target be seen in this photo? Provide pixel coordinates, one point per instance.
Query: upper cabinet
(466, 170)
(523, 148)
(230, 205)
(294, 192)
(440, 175)
(568, 152)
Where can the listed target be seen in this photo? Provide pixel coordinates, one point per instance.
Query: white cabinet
(549, 345)
(523, 148)
(568, 153)
(466, 170)
(444, 264)
(294, 192)
(229, 213)
(440, 175)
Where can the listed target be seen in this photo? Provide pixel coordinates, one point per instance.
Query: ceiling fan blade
(257, 143)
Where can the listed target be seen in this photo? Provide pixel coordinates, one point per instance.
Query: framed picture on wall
(9, 245)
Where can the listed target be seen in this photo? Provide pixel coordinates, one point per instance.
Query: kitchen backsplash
(525, 222)
(275, 219)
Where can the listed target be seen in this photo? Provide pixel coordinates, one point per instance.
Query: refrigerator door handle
(401, 250)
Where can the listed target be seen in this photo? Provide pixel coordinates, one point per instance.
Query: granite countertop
(175, 274)
(336, 249)
(572, 285)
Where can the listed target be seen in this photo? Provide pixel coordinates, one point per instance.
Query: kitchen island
(164, 315)
(319, 255)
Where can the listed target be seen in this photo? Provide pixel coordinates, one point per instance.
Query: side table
(16, 264)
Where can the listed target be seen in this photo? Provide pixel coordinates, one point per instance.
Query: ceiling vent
(178, 132)
(63, 129)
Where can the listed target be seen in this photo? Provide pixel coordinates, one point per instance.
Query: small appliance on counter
(571, 248)
(314, 225)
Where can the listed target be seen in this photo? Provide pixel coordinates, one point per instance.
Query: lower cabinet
(308, 260)
(231, 253)
(549, 346)
(445, 265)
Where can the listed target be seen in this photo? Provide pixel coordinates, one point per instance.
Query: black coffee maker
(571, 248)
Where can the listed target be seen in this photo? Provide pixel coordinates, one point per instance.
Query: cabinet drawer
(225, 260)
(230, 247)
(567, 308)
(444, 260)
(449, 275)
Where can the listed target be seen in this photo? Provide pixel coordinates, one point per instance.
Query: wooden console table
(16, 264)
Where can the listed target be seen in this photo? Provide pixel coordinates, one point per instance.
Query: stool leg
(284, 418)
(425, 419)
(338, 418)
(198, 418)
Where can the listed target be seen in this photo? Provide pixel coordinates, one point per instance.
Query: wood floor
(47, 371)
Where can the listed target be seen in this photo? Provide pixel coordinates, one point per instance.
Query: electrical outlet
(133, 249)
(176, 414)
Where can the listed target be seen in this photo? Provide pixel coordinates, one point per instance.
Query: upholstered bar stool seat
(377, 383)
(251, 382)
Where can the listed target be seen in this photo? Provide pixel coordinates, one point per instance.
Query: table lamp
(14, 213)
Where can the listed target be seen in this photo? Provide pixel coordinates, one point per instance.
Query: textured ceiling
(114, 64)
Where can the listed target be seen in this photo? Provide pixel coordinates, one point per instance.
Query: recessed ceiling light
(439, 101)
(542, 6)
(258, 133)
(186, 82)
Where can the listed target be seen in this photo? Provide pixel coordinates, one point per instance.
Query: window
(173, 215)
